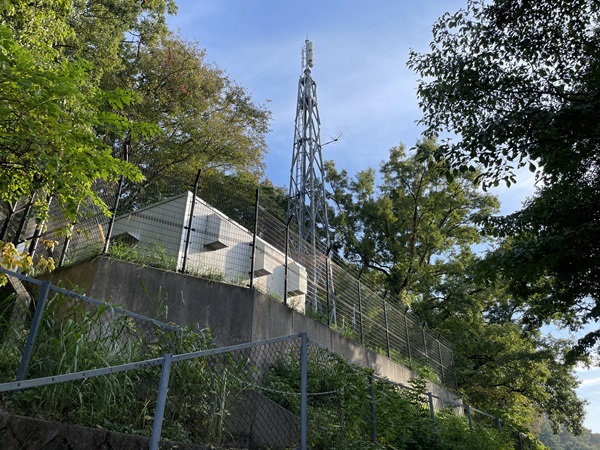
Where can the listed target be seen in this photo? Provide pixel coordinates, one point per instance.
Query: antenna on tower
(307, 203)
(308, 55)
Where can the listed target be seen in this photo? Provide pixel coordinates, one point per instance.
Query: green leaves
(415, 230)
(517, 82)
(499, 75)
(47, 117)
(199, 118)
(409, 226)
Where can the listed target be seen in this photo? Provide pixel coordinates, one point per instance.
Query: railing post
(188, 234)
(9, 215)
(408, 342)
(432, 411)
(387, 331)
(253, 257)
(303, 389)
(424, 339)
(372, 409)
(161, 401)
(468, 409)
(33, 331)
(287, 252)
(23, 220)
(360, 314)
(499, 425)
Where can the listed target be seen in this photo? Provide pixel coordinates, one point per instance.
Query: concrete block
(215, 232)
(296, 279)
(263, 263)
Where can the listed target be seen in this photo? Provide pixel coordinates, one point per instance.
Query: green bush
(339, 409)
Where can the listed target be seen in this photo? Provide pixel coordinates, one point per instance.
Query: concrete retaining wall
(234, 314)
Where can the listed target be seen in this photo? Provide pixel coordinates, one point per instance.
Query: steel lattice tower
(307, 204)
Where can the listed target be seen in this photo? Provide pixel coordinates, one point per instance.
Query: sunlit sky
(365, 91)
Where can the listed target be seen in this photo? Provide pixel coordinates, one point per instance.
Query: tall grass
(74, 337)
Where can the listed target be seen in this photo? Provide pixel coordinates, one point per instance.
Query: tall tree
(502, 365)
(409, 227)
(206, 120)
(49, 112)
(151, 97)
(415, 230)
(518, 83)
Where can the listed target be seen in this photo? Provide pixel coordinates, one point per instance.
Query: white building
(219, 248)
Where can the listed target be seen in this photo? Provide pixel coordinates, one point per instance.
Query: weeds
(75, 337)
(339, 403)
(210, 274)
(153, 255)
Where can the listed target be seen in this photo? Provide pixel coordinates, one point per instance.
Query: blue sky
(365, 91)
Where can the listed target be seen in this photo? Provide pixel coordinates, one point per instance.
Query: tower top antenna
(308, 55)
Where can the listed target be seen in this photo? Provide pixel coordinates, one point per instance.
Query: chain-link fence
(109, 369)
(58, 331)
(246, 240)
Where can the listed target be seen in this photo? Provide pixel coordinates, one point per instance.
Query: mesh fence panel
(79, 333)
(217, 242)
(226, 400)
(81, 239)
(216, 398)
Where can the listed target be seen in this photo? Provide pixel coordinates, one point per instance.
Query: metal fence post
(331, 306)
(113, 217)
(499, 425)
(454, 371)
(424, 339)
(37, 233)
(387, 330)
(65, 249)
(33, 330)
(287, 252)
(161, 401)
(520, 441)
(468, 409)
(432, 411)
(188, 234)
(408, 342)
(372, 409)
(327, 287)
(111, 224)
(9, 215)
(303, 389)
(253, 257)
